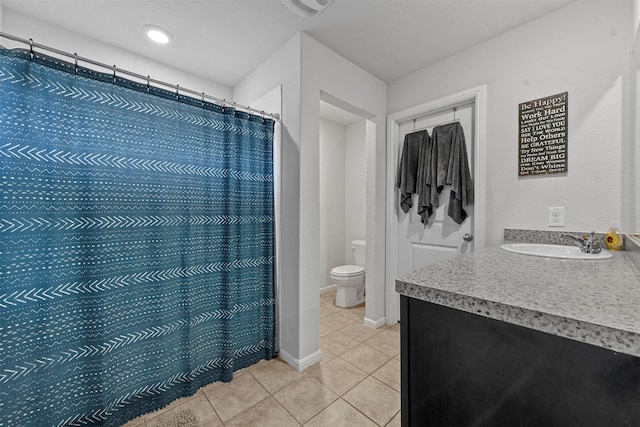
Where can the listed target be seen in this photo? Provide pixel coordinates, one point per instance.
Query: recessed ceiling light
(157, 34)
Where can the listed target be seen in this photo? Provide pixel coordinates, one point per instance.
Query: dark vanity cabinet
(464, 369)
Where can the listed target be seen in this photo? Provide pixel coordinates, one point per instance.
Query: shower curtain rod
(146, 79)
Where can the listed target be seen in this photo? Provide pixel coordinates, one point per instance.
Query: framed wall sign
(543, 135)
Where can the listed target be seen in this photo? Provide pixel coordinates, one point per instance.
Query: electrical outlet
(555, 217)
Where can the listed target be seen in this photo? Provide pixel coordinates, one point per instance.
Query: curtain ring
(177, 91)
(203, 99)
(75, 62)
(454, 113)
(30, 48)
(114, 72)
(148, 83)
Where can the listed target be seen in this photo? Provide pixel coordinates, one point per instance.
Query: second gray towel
(449, 165)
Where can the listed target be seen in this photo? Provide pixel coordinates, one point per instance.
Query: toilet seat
(347, 271)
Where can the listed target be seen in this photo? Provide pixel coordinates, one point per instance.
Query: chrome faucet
(587, 242)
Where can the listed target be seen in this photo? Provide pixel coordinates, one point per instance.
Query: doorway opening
(346, 135)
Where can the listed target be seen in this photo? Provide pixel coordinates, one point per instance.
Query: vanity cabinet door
(462, 369)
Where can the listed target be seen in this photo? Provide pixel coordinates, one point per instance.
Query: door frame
(477, 96)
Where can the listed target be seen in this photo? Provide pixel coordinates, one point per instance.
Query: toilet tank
(359, 252)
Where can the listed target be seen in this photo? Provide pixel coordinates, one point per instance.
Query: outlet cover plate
(555, 216)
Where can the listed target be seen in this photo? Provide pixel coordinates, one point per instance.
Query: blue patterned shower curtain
(136, 240)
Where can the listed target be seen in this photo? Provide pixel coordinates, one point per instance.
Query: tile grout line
(289, 412)
(365, 415)
(367, 374)
(212, 407)
(280, 403)
(340, 314)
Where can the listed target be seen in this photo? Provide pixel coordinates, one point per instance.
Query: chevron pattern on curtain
(136, 240)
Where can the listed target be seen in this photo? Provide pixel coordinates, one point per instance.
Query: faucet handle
(593, 245)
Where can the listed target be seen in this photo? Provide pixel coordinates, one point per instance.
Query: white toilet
(349, 279)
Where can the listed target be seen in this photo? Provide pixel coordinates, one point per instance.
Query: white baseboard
(327, 289)
(375, 323)
(301, 364)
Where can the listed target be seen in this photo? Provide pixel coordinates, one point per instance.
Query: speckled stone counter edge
(601, 336)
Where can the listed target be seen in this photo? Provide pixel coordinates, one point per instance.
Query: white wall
(332, 198)
(355, 187)
(283, 69)
(323, 70)
(636, 16)
(66, 40)
(582, 48)
(305, 68)
(634, 125)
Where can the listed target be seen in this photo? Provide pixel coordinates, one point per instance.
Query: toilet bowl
(349, 279)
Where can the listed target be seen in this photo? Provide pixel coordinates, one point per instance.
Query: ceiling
(224, 40)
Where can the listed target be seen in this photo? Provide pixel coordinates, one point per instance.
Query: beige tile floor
(357, 383)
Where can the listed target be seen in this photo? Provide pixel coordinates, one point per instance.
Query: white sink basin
(553, 251)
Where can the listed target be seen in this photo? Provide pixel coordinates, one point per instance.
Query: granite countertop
(596, 302)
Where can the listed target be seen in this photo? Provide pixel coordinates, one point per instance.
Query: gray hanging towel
(425, 189)
(413, 149)
(450, 166)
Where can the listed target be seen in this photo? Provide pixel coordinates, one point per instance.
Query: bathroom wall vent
(306, 8)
